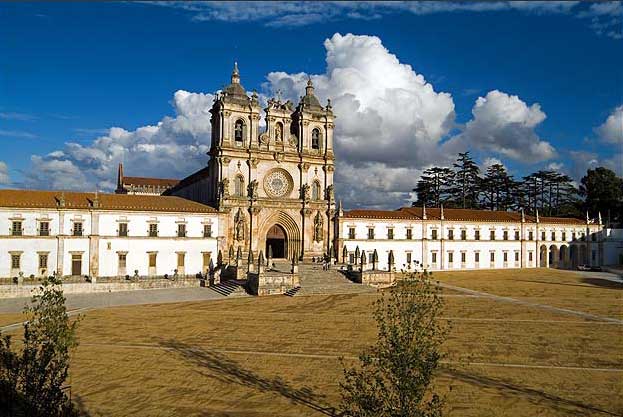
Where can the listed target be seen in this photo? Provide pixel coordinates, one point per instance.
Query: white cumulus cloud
(504, 124)
(612, 129)
(174, 147)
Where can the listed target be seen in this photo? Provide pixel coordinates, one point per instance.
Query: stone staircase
(315, 281)
(230, 288)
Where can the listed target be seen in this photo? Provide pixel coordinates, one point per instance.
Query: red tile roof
(452, 214)
(157, 182)
(76, 200)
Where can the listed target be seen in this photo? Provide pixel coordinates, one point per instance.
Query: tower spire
(309, 90)
(235, 74)
(120, 177)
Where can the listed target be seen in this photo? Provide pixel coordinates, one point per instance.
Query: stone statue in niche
(318, 231)
(279, 132)
(239, 226)
(223, 187)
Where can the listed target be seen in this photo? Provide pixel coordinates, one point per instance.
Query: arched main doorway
(276, 242)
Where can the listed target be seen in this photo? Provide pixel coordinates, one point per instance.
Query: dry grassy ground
(277, 356)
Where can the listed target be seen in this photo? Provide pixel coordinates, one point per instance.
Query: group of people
(325, 260)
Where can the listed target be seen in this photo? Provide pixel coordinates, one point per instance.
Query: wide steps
(315, 281)
(229, 288)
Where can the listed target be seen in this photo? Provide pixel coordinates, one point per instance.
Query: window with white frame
(16, 228)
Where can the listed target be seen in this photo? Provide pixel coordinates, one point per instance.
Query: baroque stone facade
(273, 188)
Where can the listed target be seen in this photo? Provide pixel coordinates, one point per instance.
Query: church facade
(274, 189)
(271, 190)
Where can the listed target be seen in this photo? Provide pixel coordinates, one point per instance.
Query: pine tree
(434, 186)
(465, 193)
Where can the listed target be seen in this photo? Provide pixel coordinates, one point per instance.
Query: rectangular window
(516, 234)
(152, 260)
(450, 234)
(370, 257)
(450, 257)
(583, 236)
(505, 235)
(463, 234)
(206, 260)
(370, 232)
(122, 260)
(593, 237)
(351, 258)
(16, 228)
(433, 257)
(434, 234)
(207, 230)
(492, 256)
(408, 257)
(516, 256)
(463, 255)
(477, 257)
(530, 235)
(390, 234)
(351, 232)
(477, 234)
(44, 229)
(409, 234)
(181, 230)
(43, 261)
(77, 228)
(530, 256)
(180, 259)
(492, 235)
(573, 236)
(123, 229)
(15, 261)
(553, 236)
(542, 235)
(564, 236)
(153, 229)
(594, 256)
(505, 256)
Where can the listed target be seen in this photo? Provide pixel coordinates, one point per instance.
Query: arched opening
(276, 242)
(239, 132)
(553, 256)
(574, 256)
(315, 139)
(564, 257)
(543, 256)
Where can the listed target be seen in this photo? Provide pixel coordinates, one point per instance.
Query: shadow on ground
(229, 371)
(569, 407)
(603, 283)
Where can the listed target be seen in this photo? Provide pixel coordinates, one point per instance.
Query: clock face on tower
(278, 183)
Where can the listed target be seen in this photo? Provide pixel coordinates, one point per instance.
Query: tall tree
(466, 180)
(603, 192)
(498, 188)
(394, 375)
(31, 381)
(434, 186)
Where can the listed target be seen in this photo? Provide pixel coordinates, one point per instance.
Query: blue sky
(71, 71)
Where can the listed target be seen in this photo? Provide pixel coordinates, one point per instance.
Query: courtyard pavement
(120, 298)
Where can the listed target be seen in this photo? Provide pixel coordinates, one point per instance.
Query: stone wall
(271, 284)
(16, 291)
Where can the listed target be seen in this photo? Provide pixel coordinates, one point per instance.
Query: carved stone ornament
(226, 159)
(279, 156)
(304, 166)
(278, 132)
(294, 141)
(278, 183)
(253, 162)
(330, 192)
(264, 139)
(318, 230)
(305, 192)
(306, 212)
(252, 189)
(223, 187)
